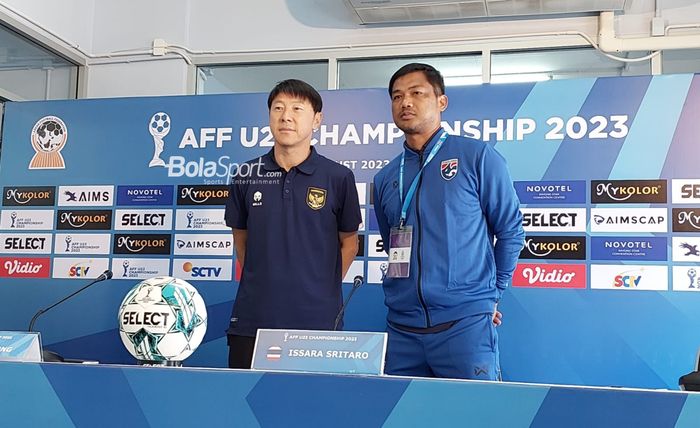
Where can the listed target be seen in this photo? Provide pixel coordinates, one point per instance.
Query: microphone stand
(355, 285)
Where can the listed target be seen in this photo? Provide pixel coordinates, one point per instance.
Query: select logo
(628, 191)
(629, 277)
(686, 220)
(554, 219)
(375, 247)
(25, 267)
(152, 219)
(554, 247)
(84, 220)
(629, 248)
(23, 243)
(30, 196)
(685, 191)
(202, 195)
(540, 275)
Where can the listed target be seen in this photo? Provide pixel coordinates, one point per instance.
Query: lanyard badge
(401, 237)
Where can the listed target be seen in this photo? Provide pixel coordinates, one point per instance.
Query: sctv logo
(201, 271)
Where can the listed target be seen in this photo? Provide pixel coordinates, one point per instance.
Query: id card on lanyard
(401, 236)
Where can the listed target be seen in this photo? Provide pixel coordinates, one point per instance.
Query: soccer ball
(51, 135)
(162, 319)
(160, 124)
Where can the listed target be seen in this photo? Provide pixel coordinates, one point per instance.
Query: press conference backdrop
(607, 171)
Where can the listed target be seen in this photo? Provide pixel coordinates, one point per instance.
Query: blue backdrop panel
(634, 128)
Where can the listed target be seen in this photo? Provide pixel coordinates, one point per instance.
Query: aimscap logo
(629, 220)
(628, 191)
(550, 275)
(551, 192)
(204, 244)
(203, 269)
(73, 196)
(629, 277)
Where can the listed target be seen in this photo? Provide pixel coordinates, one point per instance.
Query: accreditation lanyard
(414, 184)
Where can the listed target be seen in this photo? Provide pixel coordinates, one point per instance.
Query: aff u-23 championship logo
(159, 126)
(48, 137)
(448, 168)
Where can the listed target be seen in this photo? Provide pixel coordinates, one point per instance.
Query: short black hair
(434, 77)
(297, 88)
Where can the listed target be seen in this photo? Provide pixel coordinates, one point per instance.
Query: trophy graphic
(125, 265)
(190, 216)
(159, 127)
(384, 267)
(68, 241)
(691, 275)
(13, 216)
(48, 138)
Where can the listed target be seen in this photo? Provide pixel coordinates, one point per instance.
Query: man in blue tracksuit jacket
(443, 298)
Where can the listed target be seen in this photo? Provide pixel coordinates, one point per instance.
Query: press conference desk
(67, 395)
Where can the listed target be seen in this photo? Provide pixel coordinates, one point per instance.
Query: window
(260, 77)
(30, 72)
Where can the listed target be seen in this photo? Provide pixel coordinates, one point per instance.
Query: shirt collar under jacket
(427, 147)
(307, 167)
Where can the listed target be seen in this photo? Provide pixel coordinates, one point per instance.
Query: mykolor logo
(686, 220)
(628, 191)
(550, 275)
(84, 220)
(202, 195)
(141, 244)
(29, 196)
(554, 247)
(24, 267)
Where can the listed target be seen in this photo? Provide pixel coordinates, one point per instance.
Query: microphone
(105, 275)
(356, 283)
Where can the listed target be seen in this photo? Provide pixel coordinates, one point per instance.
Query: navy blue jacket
(465, 199)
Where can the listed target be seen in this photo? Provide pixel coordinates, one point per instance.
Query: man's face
(292, 120)
(414, 104)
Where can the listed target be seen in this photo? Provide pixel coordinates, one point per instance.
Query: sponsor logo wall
(609, 192)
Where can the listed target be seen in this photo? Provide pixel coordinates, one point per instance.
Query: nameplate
(347, 352)
(20, 346)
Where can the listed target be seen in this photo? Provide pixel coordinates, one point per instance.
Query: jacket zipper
(419, 234)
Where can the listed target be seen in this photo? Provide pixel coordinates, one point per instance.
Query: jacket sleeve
(501, 209)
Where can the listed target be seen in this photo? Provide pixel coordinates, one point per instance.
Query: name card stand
(344, 352)
(20, 346)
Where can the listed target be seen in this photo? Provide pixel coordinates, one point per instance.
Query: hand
(497, 317)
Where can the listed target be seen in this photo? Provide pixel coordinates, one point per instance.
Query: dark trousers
(240, 351)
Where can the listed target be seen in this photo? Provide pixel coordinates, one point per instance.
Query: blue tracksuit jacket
(457, 210)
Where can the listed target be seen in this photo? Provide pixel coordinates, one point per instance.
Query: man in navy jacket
(440, 204)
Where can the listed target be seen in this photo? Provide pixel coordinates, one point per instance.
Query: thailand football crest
(448, 168)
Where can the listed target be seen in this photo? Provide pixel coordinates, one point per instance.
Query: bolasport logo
(202, 195)
(628, 191)
(554, 247)
(31, 196)
(137, 243)
(24, 267)
(84, 220)
(550, 275)
(686, 220)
